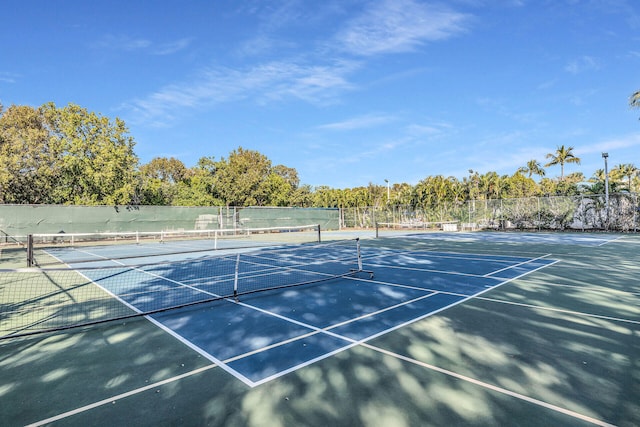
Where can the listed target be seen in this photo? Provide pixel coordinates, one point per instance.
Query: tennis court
(449, 329)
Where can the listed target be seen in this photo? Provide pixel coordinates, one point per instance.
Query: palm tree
(533, 168)
(560, 157)
(598, 176)
(634, 100)
(627, 171)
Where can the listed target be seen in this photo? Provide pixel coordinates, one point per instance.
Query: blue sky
(347, 92)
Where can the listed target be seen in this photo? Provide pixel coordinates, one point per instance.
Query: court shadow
(45, 375)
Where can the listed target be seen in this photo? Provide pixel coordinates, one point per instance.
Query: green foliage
(160, 180)
(197, 188)
(626, 173)
(94, 158)
(70, 155)
(634, 100)
(533, 168)
(247, 178)
(28, 173)
(242, 179)
(562, 156)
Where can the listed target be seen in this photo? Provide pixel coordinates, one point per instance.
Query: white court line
(516, 265)
(251, 383)
(353, 343)
(491, 387)
(327, 330)
(561, 310)
(363, 343)
(447, 255)
(112, 399)
(611, 240)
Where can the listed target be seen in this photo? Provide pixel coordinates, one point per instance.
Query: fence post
(30, 250)
(636, 208)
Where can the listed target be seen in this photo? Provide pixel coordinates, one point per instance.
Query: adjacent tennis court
(407, 329)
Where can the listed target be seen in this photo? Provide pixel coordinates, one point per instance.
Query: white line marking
(561, 310)
(516, 265)
(353, 343)
(491, 387)
(119, 397)
(611, 240)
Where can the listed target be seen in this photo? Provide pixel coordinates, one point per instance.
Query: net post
(359, 256)
(235, 279)
(319, 237)
(377, 226)
(30, 250)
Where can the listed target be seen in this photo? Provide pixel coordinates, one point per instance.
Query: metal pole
(235, 278)
(30, 250)
(388, 190)
(606, 189)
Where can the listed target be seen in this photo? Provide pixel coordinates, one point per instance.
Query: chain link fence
(621, 212)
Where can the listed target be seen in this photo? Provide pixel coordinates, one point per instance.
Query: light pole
(388, 190)
(606, 187)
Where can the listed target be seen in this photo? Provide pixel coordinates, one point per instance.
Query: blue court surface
(515, 237)
(262, 336)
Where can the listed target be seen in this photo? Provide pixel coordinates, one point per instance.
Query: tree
(628, 171)
(28, 173)
(533, 168)
(490, 185)
(435, 193)
(169, 170)
(561, 157)
(198, 187)
(290, 175)
(634, 100)
(159, 180)
(302, 197)
(242, 180)
(282, 183)
(519, 186)
(401, 194)
(95, 162)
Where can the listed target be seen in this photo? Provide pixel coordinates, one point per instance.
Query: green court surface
(556, 346)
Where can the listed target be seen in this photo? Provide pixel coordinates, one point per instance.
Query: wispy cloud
(172, 47)
(504, 108)
(316, 76)
(131, 44)
(611, 144)
(361, 122)
(6, 77)
(430, 130)
(582, 64)
(581, 98)
(396, 26)
(121, 42)
(263, 83)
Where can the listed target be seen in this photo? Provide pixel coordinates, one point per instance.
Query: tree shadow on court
(543, 350)
(589, 367)
(45, 375)
(543, 347)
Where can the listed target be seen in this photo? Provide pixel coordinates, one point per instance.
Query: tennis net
(415, 226)
(37, 300)
(52, 249)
